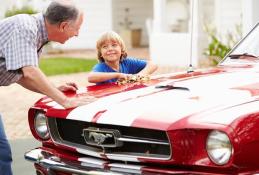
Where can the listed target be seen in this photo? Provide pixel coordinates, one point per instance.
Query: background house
(162, 25)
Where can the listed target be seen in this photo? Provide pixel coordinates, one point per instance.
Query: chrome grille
(136, 142)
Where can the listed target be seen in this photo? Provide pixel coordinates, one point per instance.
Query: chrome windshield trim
(238, 44)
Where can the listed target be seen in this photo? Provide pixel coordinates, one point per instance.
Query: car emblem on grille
(102, 137)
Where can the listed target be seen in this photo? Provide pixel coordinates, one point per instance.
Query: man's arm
(34, 79)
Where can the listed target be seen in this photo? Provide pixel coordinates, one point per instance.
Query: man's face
(70, 29)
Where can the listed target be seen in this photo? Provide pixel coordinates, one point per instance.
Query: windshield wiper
(237, 56)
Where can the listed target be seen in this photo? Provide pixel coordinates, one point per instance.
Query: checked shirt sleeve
(21, 50)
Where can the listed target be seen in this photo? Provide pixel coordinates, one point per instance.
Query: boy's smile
(111, 51)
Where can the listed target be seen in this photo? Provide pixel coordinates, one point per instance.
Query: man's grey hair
(58, 12)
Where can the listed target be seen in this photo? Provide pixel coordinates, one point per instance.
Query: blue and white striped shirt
(20, 38)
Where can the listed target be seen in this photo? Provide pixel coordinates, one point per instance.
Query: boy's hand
(122, 76)
(133, 78)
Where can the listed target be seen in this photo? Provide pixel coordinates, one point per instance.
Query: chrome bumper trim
(51, 162)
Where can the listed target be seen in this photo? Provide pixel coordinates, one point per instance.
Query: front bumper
(52, 162)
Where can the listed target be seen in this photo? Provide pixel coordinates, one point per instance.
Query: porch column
(159, 15)
(194, 29)
(173, 48)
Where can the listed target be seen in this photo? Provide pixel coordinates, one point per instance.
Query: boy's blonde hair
(110, 36)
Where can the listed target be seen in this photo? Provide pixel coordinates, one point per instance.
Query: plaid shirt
(20, 38)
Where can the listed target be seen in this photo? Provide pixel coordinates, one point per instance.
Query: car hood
(175, 102)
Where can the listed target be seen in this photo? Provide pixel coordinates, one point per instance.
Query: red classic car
(199, 122)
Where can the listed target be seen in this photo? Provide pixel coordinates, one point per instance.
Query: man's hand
(68, 87)
(34, 79)
(78, 101)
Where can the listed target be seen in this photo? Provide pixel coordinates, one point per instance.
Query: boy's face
(111, 51)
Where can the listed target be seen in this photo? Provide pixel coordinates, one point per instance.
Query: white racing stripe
(168, 106)
(127, 112)
(54, 105)
(87, 112)
(227, 116)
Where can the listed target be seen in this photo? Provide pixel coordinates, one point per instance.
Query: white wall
(170, 49)
(105, 15)
(177, 16)
(228, 14)
(139, 12)
(250, 14)
(100, 16)
(173, 48)
(98, 19)
(204, 17)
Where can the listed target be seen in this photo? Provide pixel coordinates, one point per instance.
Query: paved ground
(15, 102)
(19, 147)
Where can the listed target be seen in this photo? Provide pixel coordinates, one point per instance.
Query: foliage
(23, 10)
(62, 65)
(217, 47)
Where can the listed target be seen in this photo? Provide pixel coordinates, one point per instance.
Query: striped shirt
(20, 38)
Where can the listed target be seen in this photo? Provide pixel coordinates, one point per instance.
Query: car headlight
(219, 147)
(40, 124)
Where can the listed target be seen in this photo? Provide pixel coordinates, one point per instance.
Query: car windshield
(246, 51)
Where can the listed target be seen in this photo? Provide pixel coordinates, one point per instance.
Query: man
(21, 40)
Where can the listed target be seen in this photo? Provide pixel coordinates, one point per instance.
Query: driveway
(21, 166)
(15, 102)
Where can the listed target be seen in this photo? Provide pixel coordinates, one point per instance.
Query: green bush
(217, 49)
(24, 10)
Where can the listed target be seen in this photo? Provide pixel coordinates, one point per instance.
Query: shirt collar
(43, 34)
